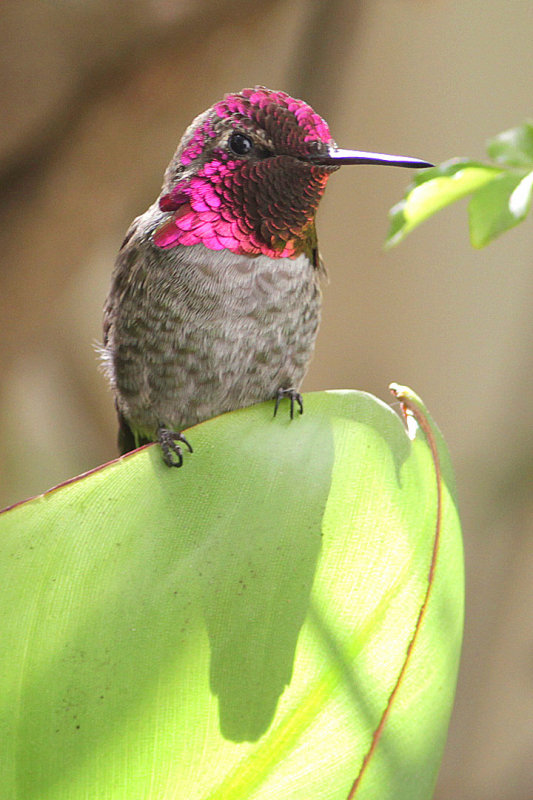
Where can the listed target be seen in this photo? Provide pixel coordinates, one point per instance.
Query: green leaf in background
(281, 617)
(434, 189)
(501, 196)
(513, 148)
(498, 206)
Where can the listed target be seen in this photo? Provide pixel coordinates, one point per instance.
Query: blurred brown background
(95, 96)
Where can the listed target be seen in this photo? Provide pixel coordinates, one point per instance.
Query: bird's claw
(172, 452)
(294, 397)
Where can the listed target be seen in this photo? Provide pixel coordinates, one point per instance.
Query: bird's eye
(240, 144)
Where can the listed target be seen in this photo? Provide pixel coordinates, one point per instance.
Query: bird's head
(249, 173)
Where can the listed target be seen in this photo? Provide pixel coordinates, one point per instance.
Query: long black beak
(337, 157)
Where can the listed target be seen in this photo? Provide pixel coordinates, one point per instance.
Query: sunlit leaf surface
(499, 206)
(500, 195)
(280, 618)
(433, 190)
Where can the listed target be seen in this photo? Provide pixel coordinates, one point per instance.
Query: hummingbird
(215, 296)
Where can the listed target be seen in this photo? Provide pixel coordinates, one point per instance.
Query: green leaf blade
(433, 190)
(499, 206)
(513, 148)
(235, 629)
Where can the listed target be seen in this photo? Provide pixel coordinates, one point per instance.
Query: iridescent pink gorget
(262, 205)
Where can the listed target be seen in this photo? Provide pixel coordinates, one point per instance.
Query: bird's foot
(172, 452)
(294, 397)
